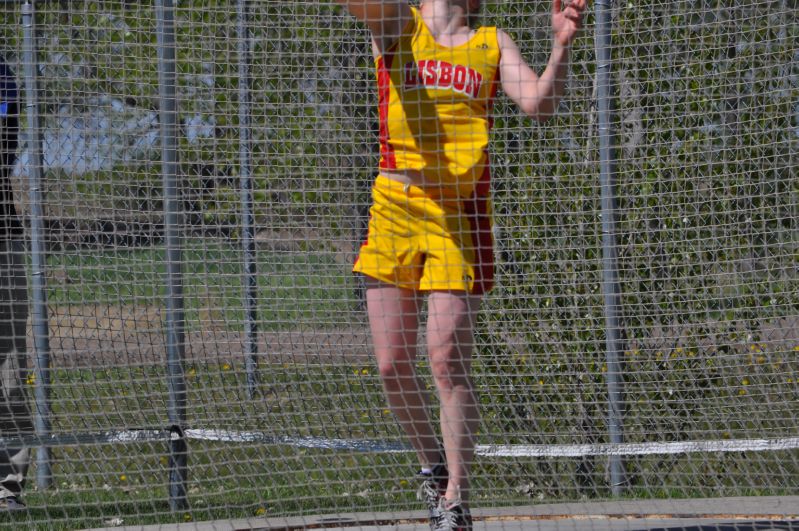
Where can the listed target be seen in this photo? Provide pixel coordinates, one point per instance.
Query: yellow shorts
(428, 238)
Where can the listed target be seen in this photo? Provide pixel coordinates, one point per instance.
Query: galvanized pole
(247, 207)
(41, 333)
(610, 268)
(175, 317)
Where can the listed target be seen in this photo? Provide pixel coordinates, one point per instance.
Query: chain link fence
(207, 354)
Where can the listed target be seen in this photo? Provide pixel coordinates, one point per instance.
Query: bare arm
(384, 18)
(536, 96)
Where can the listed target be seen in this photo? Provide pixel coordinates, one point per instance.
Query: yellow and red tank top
(435, 104)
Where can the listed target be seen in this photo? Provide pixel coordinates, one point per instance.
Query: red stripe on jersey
(387, 159)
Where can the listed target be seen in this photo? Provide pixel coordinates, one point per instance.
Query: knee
(449, 372)
(394, 371)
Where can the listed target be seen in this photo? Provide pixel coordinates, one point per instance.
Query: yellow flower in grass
(226, 366)
(260, 511)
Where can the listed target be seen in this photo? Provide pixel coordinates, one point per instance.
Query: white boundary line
(682, 447)
(378, 446)
(516, 450)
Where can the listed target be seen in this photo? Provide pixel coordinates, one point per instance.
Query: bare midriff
(412, 177)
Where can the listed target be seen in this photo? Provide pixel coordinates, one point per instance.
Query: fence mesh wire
(707, 116)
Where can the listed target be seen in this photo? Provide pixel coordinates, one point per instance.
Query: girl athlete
(430, 221)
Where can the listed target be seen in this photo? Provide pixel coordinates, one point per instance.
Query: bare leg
(450, 341)
(394, 319)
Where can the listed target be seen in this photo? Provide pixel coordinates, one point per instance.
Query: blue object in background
(8, 88)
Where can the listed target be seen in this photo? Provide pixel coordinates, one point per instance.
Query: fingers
(573, 15)
(577, 5)
(572, 11)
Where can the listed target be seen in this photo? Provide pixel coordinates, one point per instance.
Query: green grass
(95, 484)
(528, 396)
(99, 482)
(292, 286)
(295, 399)
(225, 482)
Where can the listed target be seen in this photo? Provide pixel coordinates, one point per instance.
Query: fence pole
(40, 325)
(247, 206)
(175, 318)
(610, 273)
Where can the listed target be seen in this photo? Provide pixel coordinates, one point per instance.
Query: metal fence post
(41, 333)
(247, 209)
(610, 273)
(175, 318)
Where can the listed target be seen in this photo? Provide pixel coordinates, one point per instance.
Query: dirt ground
(114, 335)
(117, 335)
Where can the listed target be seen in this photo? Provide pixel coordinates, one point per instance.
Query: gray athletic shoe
(433, 487)
(453, 516)
(11, 503)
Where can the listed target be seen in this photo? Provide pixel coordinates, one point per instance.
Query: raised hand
(567, 20)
